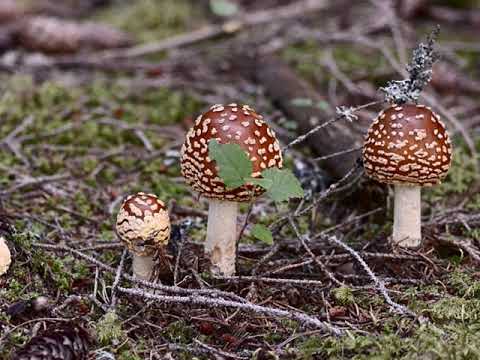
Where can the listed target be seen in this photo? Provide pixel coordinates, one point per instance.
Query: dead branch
(155, 286)
(247, 306)
(380, 285)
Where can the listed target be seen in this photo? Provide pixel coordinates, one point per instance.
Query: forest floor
(76, 138)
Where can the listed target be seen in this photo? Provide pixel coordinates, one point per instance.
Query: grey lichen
(420, 73)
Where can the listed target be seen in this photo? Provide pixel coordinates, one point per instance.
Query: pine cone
(51, 35)
(66, 343)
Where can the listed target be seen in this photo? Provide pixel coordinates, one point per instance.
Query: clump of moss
(427, 341)
(464, 284)
(53, 106)
(109, 329)
(467, 310)
(179, 332)
(343, 295)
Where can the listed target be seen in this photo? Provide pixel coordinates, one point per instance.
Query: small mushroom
(5, 257)
(409, 147)
(234, 124)
(143, 225)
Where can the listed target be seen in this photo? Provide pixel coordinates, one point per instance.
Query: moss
(428, 341)
(109, 329)
(465, 310)
(179, 332)
(461, 176)
(53, 106)
(128, 355)
(343, 295)
(464, 284)
(159, 19)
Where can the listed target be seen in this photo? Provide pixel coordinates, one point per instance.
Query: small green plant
(262, 233)
(179, 332)
(343, 295)
(109, 329)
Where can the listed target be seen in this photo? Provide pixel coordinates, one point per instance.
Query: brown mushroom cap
(143, 224)
(408, 145)
(228, 124)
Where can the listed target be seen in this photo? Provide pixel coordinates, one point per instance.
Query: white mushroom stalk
(228, 124)
(222, 235)
(5, 256)
(143, 225)
(409, 147)
(407, 211)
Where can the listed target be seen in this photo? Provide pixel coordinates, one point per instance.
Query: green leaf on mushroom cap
(235, 169)
(281, 184)
(233, 163)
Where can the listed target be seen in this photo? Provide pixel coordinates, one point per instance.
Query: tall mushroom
(409, 147)
(5, 257)
(143, 225)
(234, 124)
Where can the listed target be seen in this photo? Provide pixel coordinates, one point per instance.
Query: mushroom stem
(143, 267)
(407, 216)
(222, 236)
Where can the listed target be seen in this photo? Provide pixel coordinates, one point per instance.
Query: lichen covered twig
(420, 73)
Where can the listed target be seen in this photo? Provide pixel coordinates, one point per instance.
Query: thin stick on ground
(379, 284)
(118, 277)
(247, 306)
(155, 286)
(312, 255)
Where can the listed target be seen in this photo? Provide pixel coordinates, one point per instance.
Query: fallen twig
(206, 301)
(380, 285)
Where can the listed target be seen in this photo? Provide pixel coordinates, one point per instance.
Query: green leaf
(262, 233)
(233, 163)
(264, 183)
(223, 8)
(284, 185)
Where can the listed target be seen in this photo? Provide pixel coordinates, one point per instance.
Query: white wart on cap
(228, 124)
(409, 145)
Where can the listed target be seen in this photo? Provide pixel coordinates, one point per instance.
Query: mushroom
(5, 257)
(143, 225)
(409, 147)
(234, 124)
